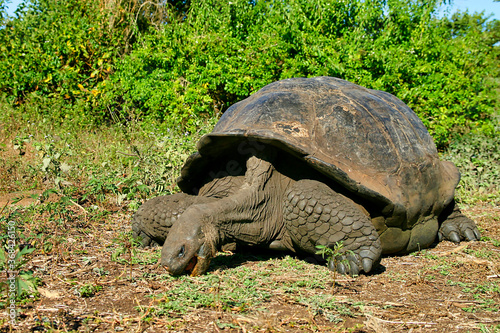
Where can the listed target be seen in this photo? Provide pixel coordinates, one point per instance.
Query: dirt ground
(449, 288)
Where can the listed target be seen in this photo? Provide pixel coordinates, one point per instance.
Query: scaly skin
(155, 217)
(316, 215)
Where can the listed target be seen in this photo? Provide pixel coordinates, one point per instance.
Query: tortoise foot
(360, 256)
(458, 227)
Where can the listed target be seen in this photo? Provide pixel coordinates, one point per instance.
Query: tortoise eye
(182, 251)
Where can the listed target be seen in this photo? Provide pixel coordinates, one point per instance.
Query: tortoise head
(186, 247)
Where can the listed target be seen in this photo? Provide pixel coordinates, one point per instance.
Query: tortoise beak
(202, 260)
(191, 264)
(201, 266)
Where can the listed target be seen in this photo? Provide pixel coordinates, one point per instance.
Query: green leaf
(65, 167)
(45, 163)
(25, 282)
(2, 256)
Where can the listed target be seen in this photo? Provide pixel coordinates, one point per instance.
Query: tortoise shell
(367, 141)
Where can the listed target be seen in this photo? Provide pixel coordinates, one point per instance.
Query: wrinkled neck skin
(251, 216)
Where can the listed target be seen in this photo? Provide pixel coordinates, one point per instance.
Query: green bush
(58, 54)
(222, 52)
(54, 49)
(176, 61)
(478, 159)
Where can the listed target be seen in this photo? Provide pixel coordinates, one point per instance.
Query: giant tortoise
(305, 162)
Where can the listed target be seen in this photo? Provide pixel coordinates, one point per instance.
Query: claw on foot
(458, 227)
(352, 264)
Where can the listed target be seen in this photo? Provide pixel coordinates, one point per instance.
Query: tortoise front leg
(153, 219)
(316, 215)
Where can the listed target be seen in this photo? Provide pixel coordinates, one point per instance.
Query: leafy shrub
(478, 159)
(54, 48)
(89, 290)
(14, 259)
(176, 61)
(223, 51)
(59, 52)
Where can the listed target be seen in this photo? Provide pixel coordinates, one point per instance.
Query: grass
(119, 164)
(82, 185)
(478, 159)
(483, 295)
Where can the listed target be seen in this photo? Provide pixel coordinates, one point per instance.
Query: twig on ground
(455, 250)
(78, 205)
(80, 271)
(402, 322)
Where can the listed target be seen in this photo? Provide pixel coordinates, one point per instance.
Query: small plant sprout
(89, 290)
(19, 143)
(334, 257)
(24, 280)
(127, 248)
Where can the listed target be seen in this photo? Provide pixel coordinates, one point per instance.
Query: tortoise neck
(252, 215)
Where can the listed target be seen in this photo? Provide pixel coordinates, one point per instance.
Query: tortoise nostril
(182, 251)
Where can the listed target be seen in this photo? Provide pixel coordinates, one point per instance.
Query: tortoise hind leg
(316, 215)
(456, 226)
(153, 219)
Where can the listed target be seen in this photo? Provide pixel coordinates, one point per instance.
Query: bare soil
(449, 288)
